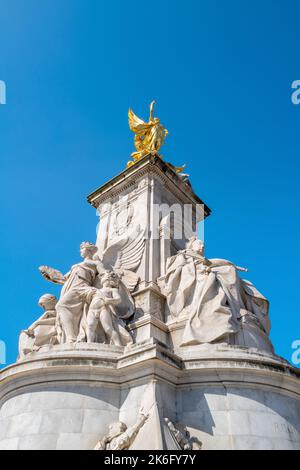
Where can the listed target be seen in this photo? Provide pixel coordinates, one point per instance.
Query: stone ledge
(115, 366)
(148, 164)
(146, 319)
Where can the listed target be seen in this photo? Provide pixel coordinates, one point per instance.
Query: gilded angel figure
(149, 136)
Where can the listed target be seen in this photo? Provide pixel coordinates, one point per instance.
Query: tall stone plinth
(149, 195)
(226, 397)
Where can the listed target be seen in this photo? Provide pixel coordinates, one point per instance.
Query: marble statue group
(148, 342)
(96, 302)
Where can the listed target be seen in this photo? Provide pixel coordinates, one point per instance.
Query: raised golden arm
(151, 111)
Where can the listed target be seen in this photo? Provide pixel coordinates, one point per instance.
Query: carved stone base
(226, 397)
(148, 327)
(149, 301)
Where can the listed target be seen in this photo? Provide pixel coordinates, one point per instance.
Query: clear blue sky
(221, 72)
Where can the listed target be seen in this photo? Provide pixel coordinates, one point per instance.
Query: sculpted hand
(52, 275)
(204, 269)
(29, 332)
(94, 290)
(44, 270)
(143, 415)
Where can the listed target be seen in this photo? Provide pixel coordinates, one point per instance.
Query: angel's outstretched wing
(127, 252)
(136, 124)
(125, 255)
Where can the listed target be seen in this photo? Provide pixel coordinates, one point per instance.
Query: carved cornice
(107, 366)
(153, 166)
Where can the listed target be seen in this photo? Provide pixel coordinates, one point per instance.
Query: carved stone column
(151, 195)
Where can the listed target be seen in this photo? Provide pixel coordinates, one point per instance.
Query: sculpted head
(110, 279)
(115, 429)
(88, 250)
(48, 302)
(196, 245)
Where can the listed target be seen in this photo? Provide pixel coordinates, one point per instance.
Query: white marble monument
(150, 345)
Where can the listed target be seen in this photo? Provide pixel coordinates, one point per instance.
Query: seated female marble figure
(212, 295)
(77, 286)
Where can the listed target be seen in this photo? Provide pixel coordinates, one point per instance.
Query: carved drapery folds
(46, 330)
(95, 301)
(96, 304)
(215, 300)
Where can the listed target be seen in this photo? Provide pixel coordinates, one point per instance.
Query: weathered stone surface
(155, 377)
(227, 399)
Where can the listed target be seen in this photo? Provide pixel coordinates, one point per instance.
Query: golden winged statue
(149, 136)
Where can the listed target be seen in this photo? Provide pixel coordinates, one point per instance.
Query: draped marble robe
(43, 332)
(214, 300)
(77, 288)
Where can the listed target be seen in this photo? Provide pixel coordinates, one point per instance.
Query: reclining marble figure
(45, 330)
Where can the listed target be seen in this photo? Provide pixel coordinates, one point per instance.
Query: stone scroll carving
(212, 295)
(95, 300)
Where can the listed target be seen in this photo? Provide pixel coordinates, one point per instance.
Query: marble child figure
(102, 316)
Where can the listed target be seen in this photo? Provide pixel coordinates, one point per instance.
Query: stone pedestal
(227, 397)
(224, 395)
(152, 196)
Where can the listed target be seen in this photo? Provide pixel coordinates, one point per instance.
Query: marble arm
(43, 320)
(199, 259)
(53, 275)
(133, 431)
(101, 445)
(114, 300)
(215, 262)
(116, 297)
